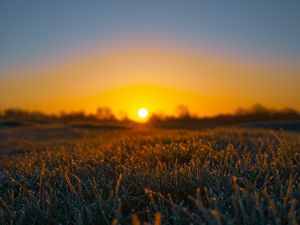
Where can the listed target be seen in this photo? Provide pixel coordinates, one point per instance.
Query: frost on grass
(222, 176)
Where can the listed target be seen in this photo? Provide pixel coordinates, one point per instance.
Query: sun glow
(142, 113)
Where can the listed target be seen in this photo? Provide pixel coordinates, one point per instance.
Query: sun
(142, 113)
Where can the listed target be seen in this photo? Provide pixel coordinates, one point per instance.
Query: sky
(72, 55)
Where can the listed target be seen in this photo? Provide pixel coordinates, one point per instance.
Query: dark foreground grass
(224, 176)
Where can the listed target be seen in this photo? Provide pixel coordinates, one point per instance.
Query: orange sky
(158, 77)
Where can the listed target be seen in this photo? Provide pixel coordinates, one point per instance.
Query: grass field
(61, 175)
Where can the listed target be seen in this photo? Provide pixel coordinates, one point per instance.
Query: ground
(92, 175)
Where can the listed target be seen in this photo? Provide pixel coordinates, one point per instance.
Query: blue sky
(55, 53)
(33, 30)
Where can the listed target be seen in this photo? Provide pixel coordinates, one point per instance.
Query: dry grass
(223, 176)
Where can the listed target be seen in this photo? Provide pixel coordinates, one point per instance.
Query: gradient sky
(54, 54)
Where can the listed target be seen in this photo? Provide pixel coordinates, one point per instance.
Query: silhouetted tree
(105, 113)
(182, 111)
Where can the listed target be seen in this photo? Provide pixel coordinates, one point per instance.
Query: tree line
(253, 114)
